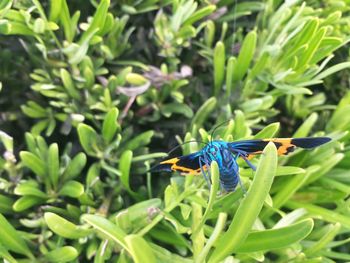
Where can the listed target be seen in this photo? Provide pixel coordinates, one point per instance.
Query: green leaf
(139, 141)
(75, 166)
(110, 125)
(69, 24)
(268, 132)
(62, 254)
(306, 127)
(69, 85)
(55, 10)
(98, 20)
(6, 204)
(4, 254)
(87, 138)
(321, 244)
(331, 70)
(53, 164)
(276, 238)
(135, 79)
(7, 141)
(259, 65)
(231, 65)
(30, 141)
(15, 28)
(312, 48)
(64, 228)
(215, 179)
(326, 214)
(33, 110)
(77, 53)
(245, 56)
(220, 224)
(199, 14)
(124, 168)
(170, 108)
(209, 33)
(288, 170)
(219, 66)
(26, 202)
(241, 129)
(139, 214)
(144, 255)
(33, 163)
(107, 228)
(93, 175)
(5, 6)
(291, 186)
(72, 189)
(29, 188)
(39, 26)
(12, 240)
(306, 33)
(250, 206)
(203, 112)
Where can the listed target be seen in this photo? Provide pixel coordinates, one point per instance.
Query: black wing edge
(161, 167)
(310, 142)
(182, 163)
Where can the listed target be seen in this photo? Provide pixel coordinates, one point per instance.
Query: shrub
(93, 93)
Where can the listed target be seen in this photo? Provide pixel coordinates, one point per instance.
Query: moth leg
(243, 155)
(204, 173)
(249, 163)
(239, 178)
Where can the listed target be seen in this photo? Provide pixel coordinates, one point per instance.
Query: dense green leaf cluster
(93, 93)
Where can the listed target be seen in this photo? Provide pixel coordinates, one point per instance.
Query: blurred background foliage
(93, 93)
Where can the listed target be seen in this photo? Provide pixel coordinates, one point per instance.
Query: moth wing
(186, 164)
(283, 145)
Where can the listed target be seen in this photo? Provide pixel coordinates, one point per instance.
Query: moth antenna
(216, 127)
(176, 147)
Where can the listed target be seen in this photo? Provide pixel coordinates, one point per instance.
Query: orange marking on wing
(252, 155)
(182, 169)
(170, 161)
(185, 170)
(285, 147)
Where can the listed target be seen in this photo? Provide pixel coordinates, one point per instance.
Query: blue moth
(226, 155)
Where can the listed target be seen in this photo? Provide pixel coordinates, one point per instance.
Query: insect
(226, 155)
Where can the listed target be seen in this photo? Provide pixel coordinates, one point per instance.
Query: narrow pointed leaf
(107, 228)
(250, 206)
(62, 254)
(88, 138)
(64, 228)
(124, 167)
(26, 202)
(245, 56)
(219, 66)
(53, 164)
(110, 125)
(144, 255)
(75, 166)
(72, 189)
(276, 238)
(34, 163)
(12, 240)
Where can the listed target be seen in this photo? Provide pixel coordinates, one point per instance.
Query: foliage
(94, 92)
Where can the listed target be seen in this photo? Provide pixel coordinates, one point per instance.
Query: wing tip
(310, 142)
(162, 167)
